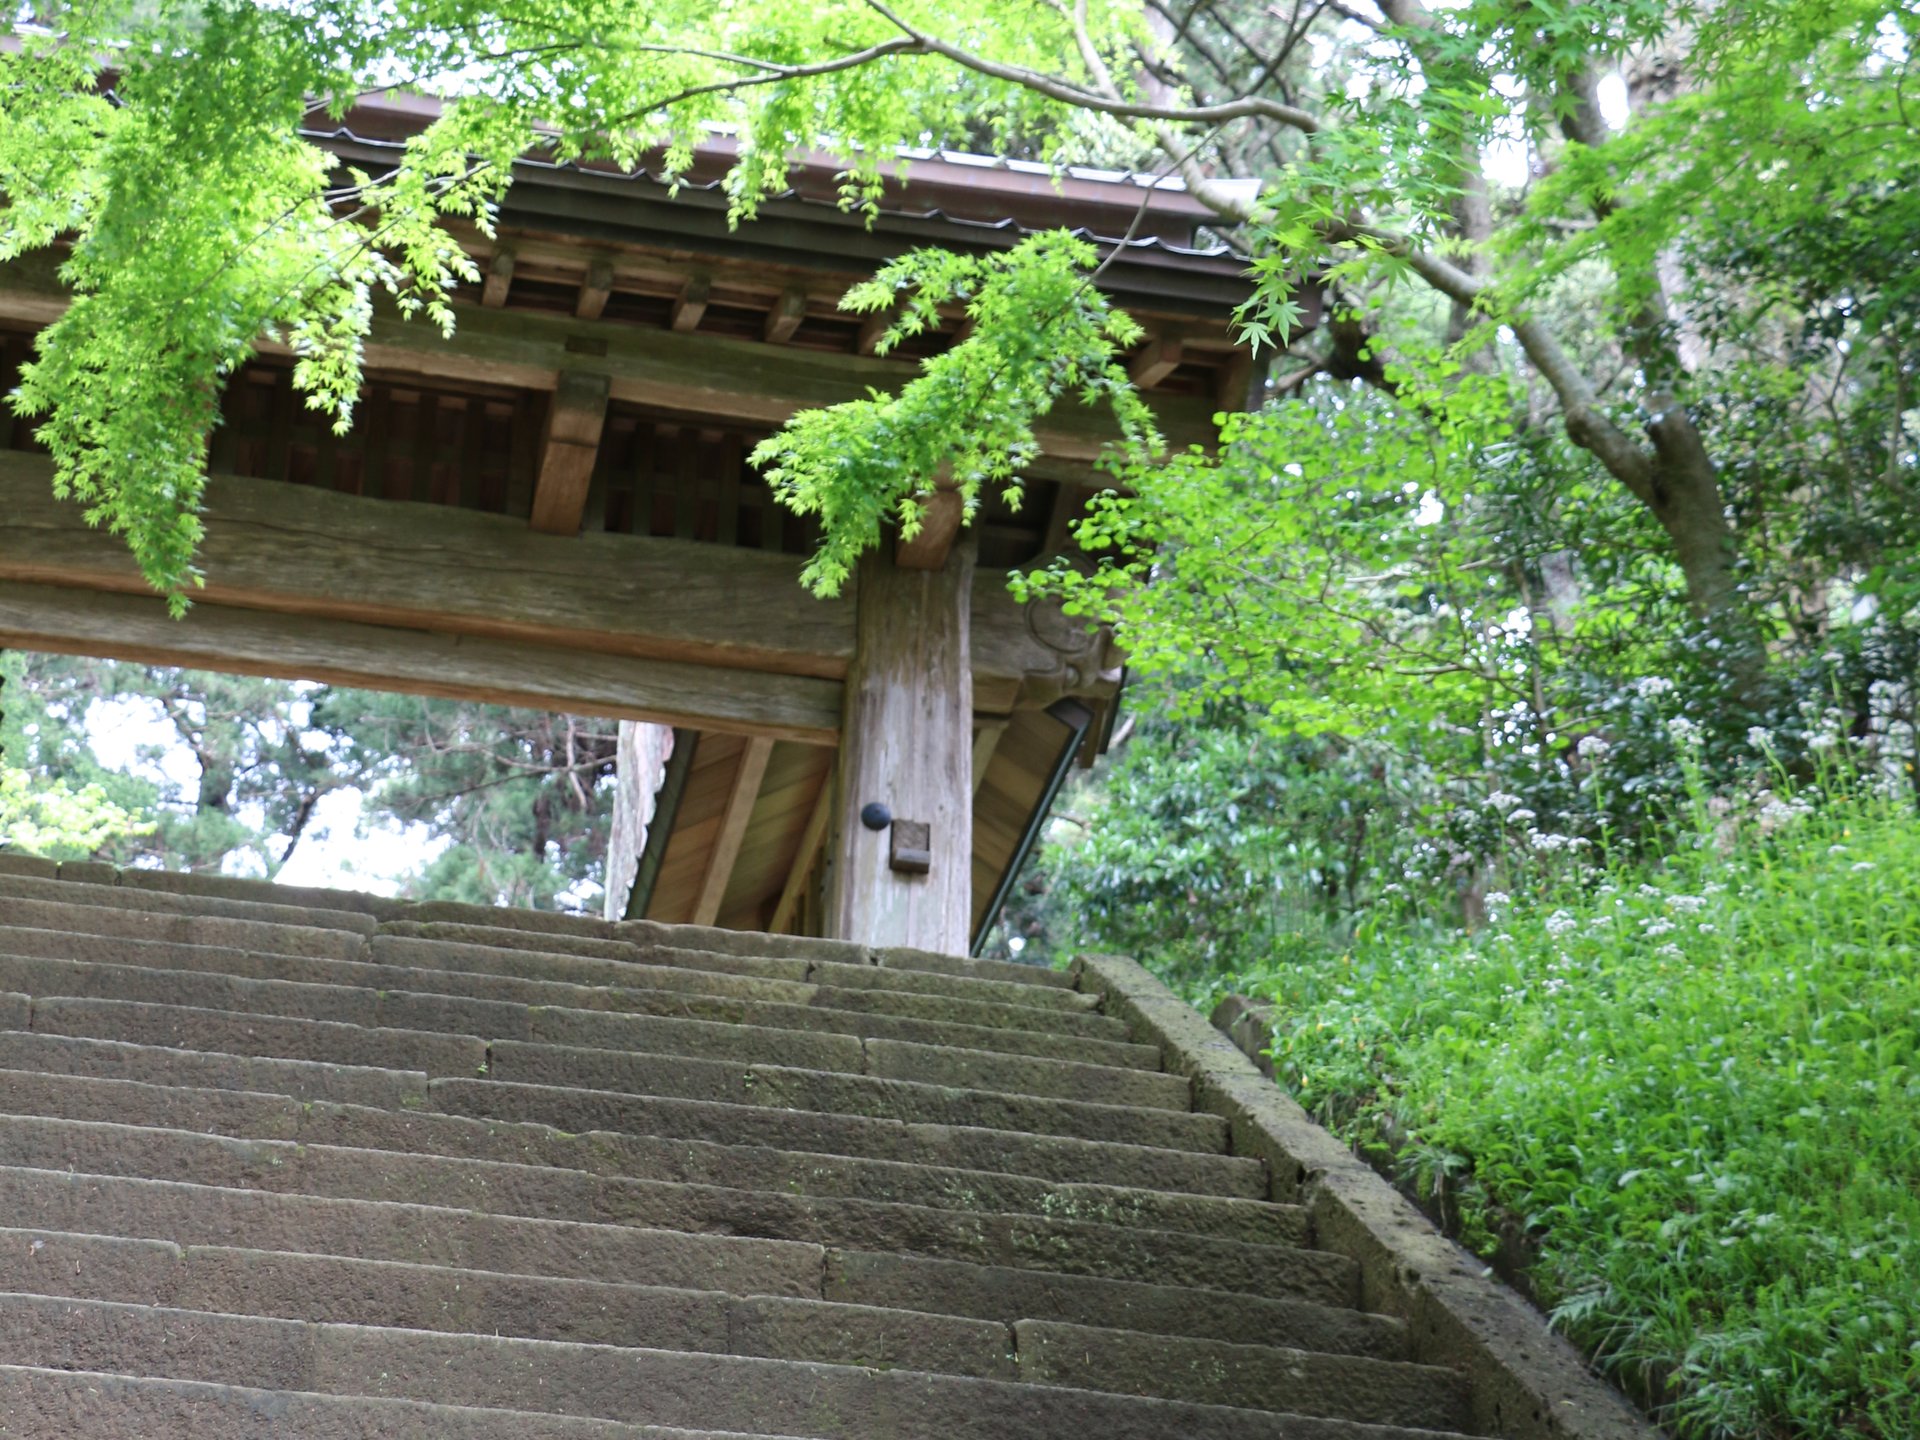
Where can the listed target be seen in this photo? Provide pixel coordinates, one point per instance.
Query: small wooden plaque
(912, 847)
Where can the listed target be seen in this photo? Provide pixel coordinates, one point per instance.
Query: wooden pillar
(907, 743)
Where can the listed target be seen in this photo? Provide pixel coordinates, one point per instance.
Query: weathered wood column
(907, 744)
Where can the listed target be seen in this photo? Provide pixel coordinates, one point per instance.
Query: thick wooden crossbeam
(304, 551)
(575, 418)
(417, 662)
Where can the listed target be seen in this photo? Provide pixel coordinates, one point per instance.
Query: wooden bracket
(1157, 359)
(690, 306)
(910, 847)
(785, 317)
(871, 329)
(595, 290)
(499, 278)
(939, 525)
(574, 421)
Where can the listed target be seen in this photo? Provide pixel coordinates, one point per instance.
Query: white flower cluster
(1560, 922)
(1502, 801)
(1655, 928)
(1652, 687)
(1686, 904)
(1592, 747)
(1685, 733)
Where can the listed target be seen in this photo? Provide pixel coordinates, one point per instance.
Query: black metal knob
(875, 816)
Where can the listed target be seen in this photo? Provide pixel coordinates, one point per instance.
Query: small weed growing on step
(1692, 1094)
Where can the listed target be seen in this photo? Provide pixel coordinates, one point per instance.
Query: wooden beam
(713, 378)
(666, 808)
(733, 829)
(939, 526)
(795, 890)
(414, 662)
(595, 290)
(305, 551)
(493, 294)
(785, 317)
(575, 417)
(690, 306)
(1156, 360)
(908, 746)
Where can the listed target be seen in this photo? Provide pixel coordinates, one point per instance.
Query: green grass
(1696, 1091)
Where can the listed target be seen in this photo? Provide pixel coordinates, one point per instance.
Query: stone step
(1053, 1157)
(1254, 1377)
(312, 1080)
(631, 1384)
(407, 1009)
(188, 1028)
(281, 1285)
(47, 1404)
(849, 1137)
(179, 928)
(576, 1060)
(489, 1187)
(189, 1214)
(132, 897)
(831, 1093)
(687, 1161)
(1327, 1322)
(34, 961)
(846, 974)
(831, 986)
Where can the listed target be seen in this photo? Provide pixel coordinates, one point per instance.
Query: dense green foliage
(1691, 1093)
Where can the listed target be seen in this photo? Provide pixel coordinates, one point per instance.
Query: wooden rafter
(986, 739)
(811, 839)
(733, 829)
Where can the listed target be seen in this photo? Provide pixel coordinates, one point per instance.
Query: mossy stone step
(289, 1286)
(48, 1404)
(131, 897)
(1070, 1246)
(176, 927)
(634, 1385)
(1036, 1158)
(687, 1161)
(189, 1214)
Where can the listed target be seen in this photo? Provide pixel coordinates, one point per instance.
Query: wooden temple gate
(555, 509)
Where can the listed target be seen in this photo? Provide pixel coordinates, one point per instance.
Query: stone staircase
(313, 1164)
